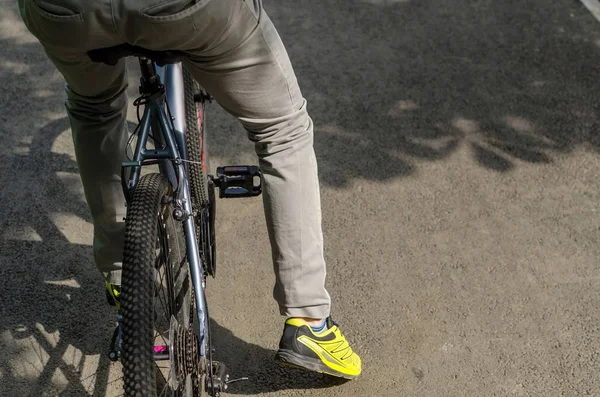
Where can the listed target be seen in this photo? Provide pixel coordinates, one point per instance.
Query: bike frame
(164, 114)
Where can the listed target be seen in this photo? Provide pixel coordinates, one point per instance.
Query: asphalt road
(458, 148)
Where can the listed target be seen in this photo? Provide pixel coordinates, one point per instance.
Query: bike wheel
(196, 140)
(201, 188)
(156, 297)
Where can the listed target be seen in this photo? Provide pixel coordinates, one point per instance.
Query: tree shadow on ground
(391, 84)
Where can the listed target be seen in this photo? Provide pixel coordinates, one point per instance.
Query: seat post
(150, 81)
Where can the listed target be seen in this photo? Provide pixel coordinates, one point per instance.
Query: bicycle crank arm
(236, 181)
(116, 344)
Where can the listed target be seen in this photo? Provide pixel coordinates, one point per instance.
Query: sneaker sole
(288, 358)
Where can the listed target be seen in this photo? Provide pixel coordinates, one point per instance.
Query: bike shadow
(245, 359)
(55, 323)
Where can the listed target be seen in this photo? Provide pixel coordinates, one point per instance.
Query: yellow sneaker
(113, 294)
(327, 352)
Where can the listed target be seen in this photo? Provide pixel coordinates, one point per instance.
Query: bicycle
(170, 224)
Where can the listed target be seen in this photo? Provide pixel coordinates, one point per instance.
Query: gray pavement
(458, 147)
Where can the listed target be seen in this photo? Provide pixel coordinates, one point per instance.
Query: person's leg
(98, 123)
(265, 96)
(97, 108)
(236, 54)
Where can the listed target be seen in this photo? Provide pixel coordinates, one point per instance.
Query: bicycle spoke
(165, 387)
(160, 293)
(162, 285)
(164, 340)
(157, 269)
(165, 263)
(163, 305)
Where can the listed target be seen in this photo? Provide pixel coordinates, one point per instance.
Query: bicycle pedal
(202, 96)
(236, 181)
(116, 343)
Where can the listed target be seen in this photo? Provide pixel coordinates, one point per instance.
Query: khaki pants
(234, 51)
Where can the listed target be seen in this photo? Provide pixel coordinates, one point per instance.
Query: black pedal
(203, 96)
(116, 343)
(235, 181)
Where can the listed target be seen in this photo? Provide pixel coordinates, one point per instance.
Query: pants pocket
(55, 26)
(173, 10)
(63, 12)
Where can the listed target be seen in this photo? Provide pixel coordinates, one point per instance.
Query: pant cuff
(113, 277)
(320, 311)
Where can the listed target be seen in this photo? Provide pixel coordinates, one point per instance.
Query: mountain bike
(163, 336)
